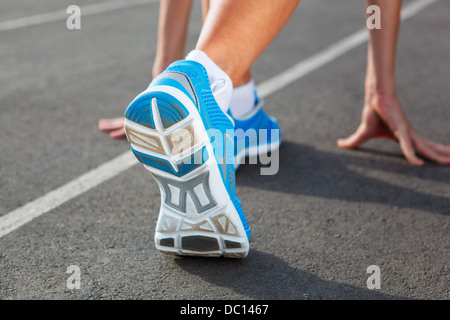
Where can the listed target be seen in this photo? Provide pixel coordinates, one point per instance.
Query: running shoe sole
(197, 216)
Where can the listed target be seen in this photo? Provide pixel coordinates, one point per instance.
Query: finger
(438, 148)
(118, 134)
(407, 147)
(427, 150)
(110, 124)
(445, 150)
(360, 136)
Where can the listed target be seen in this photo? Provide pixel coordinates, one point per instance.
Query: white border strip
(17, 218)
(62, 15)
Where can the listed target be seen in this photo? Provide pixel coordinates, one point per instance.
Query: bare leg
(231, 24)
(247, 75)
(382, 115)
(205, 9)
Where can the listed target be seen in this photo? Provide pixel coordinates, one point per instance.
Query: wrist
(385, 92)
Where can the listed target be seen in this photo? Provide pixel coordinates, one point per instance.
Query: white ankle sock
(243, 100)
(215, 73)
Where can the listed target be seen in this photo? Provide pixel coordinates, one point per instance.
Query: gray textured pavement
(317, 225)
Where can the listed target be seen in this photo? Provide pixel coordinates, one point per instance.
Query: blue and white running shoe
(180, 134)
(256, 134)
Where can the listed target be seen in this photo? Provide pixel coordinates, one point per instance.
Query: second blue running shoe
(256, 134)
(180, 134)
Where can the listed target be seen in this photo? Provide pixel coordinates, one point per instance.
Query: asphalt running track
(71, 196)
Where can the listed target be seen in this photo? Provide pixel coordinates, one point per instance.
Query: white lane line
(20, 216)
(76, 187)
(313, 63)
(62, 15)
